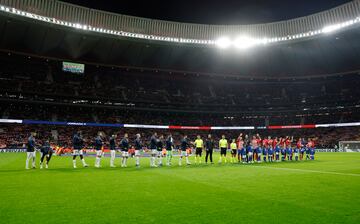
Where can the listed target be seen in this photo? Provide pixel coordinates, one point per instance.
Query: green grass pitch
(323, 191)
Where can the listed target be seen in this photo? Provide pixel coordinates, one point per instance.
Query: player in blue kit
(30, 151)
(265, 153)
(244, 155)
(277, 153)
(160, 145)
(124, 146)
(46, 151)
(312, 153)
(98, 148)
(296, 153)
(259, 153)
(283, 152)
(302, 151)
(307, 151)
(289, 153)
(183, 148)
(311, 145)
(270, 154)
(138, 147)
(153, 149)
(78, 145)
(246, 147)
(112, 145)
(169, 144)
(249, 151)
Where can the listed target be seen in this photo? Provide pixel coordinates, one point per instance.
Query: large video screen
(73, 67)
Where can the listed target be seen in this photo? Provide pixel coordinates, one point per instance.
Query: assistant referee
(199, 145)
(223, 145)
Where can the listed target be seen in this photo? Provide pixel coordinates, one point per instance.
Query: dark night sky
(214, 11)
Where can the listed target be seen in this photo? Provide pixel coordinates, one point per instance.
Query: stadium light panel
(332, 28)
(245, 42)
(78, 26)
(223, 42)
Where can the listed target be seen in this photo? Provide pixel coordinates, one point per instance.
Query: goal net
(349, 146)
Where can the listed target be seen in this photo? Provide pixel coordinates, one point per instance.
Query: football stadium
(179, 112)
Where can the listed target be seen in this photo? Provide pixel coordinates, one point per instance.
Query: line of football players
(243, 149)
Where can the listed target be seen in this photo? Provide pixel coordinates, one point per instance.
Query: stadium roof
(243, 36)
(229, 12)
(38, 27)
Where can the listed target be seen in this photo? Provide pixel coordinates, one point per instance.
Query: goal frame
(343, 146)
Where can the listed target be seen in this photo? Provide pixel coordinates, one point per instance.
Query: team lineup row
(243, 149)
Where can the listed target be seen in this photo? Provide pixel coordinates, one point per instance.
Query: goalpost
(349, 146)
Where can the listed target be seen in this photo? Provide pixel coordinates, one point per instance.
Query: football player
(46, 151)
(183, 147)
(138, 147)
(124, 146)
(169, 148)
(98, 148)
(241, 154)
(78, 145)
(160, 145)
(112, 144)
(31, 151)
(153, 149)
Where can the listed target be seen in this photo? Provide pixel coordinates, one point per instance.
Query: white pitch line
(309, 171)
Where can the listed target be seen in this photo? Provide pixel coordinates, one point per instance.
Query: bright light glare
(332, 28)
(223, 42)
(245, 42)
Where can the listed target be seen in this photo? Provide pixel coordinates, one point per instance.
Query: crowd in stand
(37, 89)
(40, 80)
(15, 136)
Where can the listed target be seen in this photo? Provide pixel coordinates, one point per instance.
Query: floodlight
(223, 42)
(245, 42)
(332, 28)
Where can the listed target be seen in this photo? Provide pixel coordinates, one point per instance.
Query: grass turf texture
(287, 192)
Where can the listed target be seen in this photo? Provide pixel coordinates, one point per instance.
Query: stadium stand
(39, 90)
(304, 77)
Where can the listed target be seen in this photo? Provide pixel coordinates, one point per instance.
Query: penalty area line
(309, 171)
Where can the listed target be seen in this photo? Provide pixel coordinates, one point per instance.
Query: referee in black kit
(209, 147)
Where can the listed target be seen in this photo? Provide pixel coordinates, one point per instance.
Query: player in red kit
(276, 148)
(254, 146)
(265, 147)
(259, 149)
(240, 147)
(283, 148)
(308, 147)
(270, 149)
(289, 151)
(312, 149)
(299, 147)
